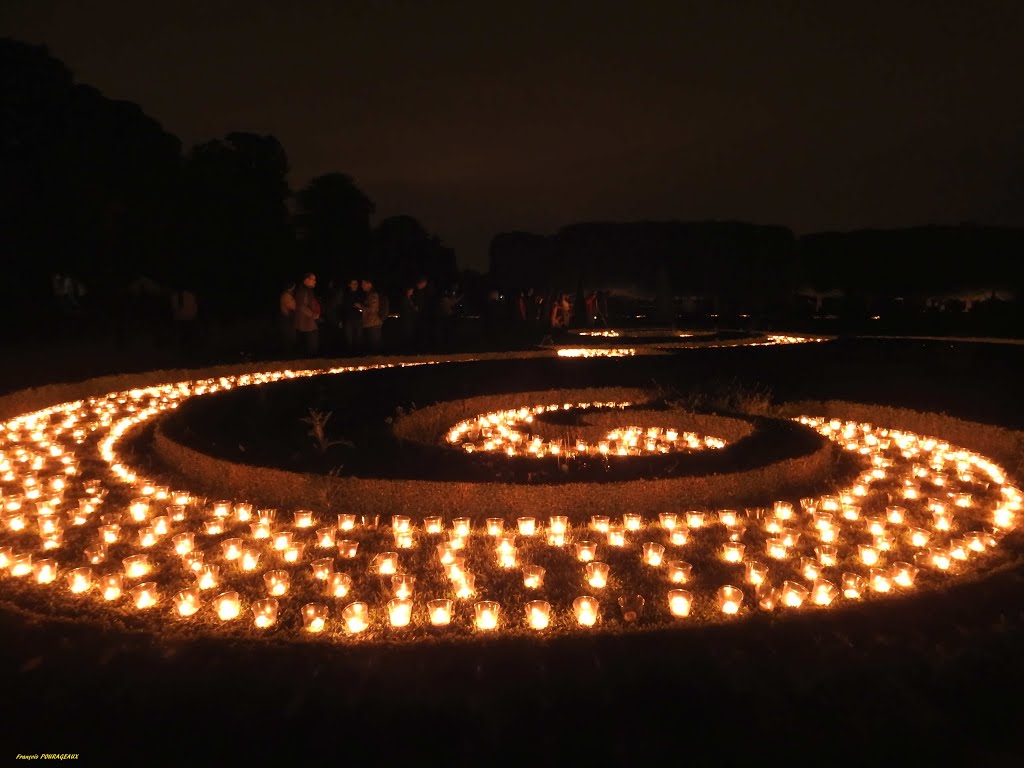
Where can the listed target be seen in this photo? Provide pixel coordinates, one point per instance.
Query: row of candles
(507, 432)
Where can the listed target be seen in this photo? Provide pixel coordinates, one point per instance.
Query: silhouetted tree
(403, 251)
(332, 223)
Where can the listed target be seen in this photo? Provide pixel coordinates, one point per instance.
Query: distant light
(876, 317)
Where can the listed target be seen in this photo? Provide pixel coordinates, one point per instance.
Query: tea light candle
(400, 524)
(810, 569)
(538, 614)
(433, 525)
(919, 537)
(79, 580)
(875, 525)
(400, 611)
(793, 594)
(942, 521)
(776, 547)
(586, 551)
(896, 515)
(616, 536)
(599, 523)
(243, 512)
(283, 540)
(136, 566)
(766, 596)
(294, 553)
(632, 521)
(214, 527)
(322, 568)
(853, 586)
(486, 615)
(495, 526)
(386, 563)
(678, 537)
(558, 524)
(679, 602)
(346, 522)
(277, 582)
(260, 530)
(823, 521)
(772, 525)
(111, 586)
(187, 602)
(347, 549)
(694, 519)
(145, 595)
(879, 579)
(325, 538)
(403, 584)
(732, 552)
(465, 588)
(181, 498)
(868, 555)
(461, 527)
(729, 599)
(161, 525)
(728, 517)
(586, 609)
(222, 508)
(1002, 517)
(527, 526)
(823, 592)
(264, 612)
(556, 539)
(338, 584)
(596, 575)
(507, 557)
(45, 571)
(653, 553)
(193, 561)
(96, 554)
(904, 574)
(851, 512)
(227, 605)
(231, 549)
(139, 509)
(404, 540)
(48, 524)
(533, 576)
(110, 533)
(440, 612)
(975, 541)
(783, 510)
(208, 576)
(939, 558)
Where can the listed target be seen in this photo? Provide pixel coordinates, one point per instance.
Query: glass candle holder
(139, 509)
(136, 566)
(110, 533)
(678, 537)
(596, 575)
(919, 537)
(231, 549)
(403, 584)
(728, 517)
(533, 576)
(538, 614)
(213, 527)
(347, 549)
(939, 557)
(783, 510)
(339, 584)
(465, 588)
(294, 553)
(754, 572)
(586, 551)
(896, 515)
(903, 574)
(145, 595)
(433, 524)
(556, 539)
(52, 540)
(486, 614)
(631, 521)
(228, 606)
(942, 521)
(282, 540)
(958, 549)
(653, 553)
(875, 525)
(879, 579)
(527, 526)
(679, 571)
(222, 508)
(585, 609)
(776, 547)
(6, 556)
(276, 582)
(400, 524)
(325, 538)
(250, 559)
(851, 512)
(558, 524)
(45, 571)
(729, 599)
(789, 536)
(48, 524)
(495, 526)
(181, 498)
(766, 596)
(346, 521)
(455, 541)
(853, 586)
(79, 580)
(161, 525)
(404, 540)
(314, 617)
(208, 576)
(679, 602)
(809, 568)
(440, 612)
(616, 536)
(455, 569)
(193, 561)
(507, 558)
(260, 530)
(111, 586)
(694, 519)
(461, 527)
(869, 555)
(385, 563)
(187, 602)
(400, 611)
(184, 543)
(975, 541)
(827, 554)
(793, 594)
(599, 523)
(823, 592)
(264, 612)
(322, 568)
(243, 512)
(732, 552)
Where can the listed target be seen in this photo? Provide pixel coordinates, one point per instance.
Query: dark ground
(931, 680)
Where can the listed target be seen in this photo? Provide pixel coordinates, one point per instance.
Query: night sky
(480, 117)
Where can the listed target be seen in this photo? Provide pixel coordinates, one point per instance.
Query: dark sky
(486, 116)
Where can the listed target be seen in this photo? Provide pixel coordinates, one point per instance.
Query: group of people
(554, 312)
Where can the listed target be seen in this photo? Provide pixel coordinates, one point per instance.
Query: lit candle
(400, 611)
(942, 521)
(180, 498)
(265, 612)
(222, 508)
(314, 617)
(347, 549)
(338, 584)
(139, 509)
(896, 515)
(904, 574)
(403, 584)
(879, 579)
(585, 608)
(486, 613)
(793, 594)
(694, 519)
(440, 612)
(853, 586)
(599, 523)
(527, 526)
(851, 512)
(161, 525)
(728, 517)
(465, 588)
(136, 566)
(322, 568)
(495, 526)
(558, 524)
(243, 512)
(294, 553)
(109, 533)
(632, 521)
(939, 558)
(231, 549)
(783, 510)
(455, 569)
(386, 563)
(919, 537)
(404, 540)
(283, 540)
(729, 599)
(538, 614)
(325, 538)
(144, 595)
(732, 552)
(227, 605)
(754, 572)
(653, 553)
(810, 569)
(586, 551)
(679, 602)
(79, 580)
(277, 582)
(433, 525)
(461, 527)
(533, 576)
(45, 571)
(208, 576)
(400, 524)
(875, 525)
(596, 575)
(507, 557)
(556, 539)
(868, 555)
(187, 602)
(776, 547)
(213, 527)
(260, 530)
(678, 537)
(823, 592)
(346, 522)
(110, 586)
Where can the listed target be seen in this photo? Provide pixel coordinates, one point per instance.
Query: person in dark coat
(307, 312)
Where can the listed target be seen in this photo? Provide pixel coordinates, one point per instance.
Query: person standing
(307, 312)
(373, 321)
(409, 314)
(351, 317)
